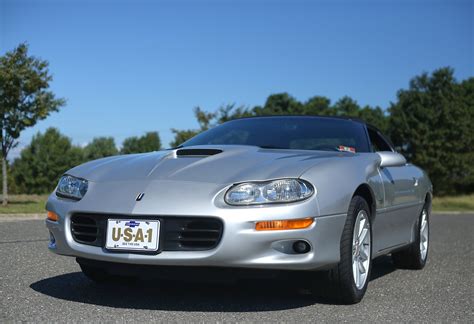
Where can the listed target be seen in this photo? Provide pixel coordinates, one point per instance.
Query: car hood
(211, 164)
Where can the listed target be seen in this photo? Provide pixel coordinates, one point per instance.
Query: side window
(378, 142)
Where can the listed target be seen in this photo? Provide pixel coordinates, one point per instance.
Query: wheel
(351, 276)
(95, 274)
(415, 256)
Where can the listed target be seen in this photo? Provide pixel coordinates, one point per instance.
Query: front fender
(337, 180)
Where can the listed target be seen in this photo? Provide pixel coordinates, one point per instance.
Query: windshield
(300, 133)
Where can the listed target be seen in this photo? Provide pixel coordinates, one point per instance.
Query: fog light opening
(301, 247)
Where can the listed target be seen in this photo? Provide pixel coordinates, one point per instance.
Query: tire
(348, 279)
(94, 274)
(415, 256)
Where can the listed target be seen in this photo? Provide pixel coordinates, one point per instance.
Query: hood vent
(197, 152)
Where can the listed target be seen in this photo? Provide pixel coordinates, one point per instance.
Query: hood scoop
(197, 152)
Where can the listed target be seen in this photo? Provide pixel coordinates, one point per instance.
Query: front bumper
(241, 245)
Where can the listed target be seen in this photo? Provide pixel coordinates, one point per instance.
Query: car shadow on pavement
(382, 266)
(173, 295)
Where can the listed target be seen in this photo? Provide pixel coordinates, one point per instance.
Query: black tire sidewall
(349, 290)
(421, 261)
(410, 257)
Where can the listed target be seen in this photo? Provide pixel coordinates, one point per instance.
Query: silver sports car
(278, 192)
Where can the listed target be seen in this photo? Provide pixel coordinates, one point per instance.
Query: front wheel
(351, 276)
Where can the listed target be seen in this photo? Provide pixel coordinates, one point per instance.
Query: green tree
(204, 120)
(346, 106)
(146, 143)
(44, 160)
(24, 99)
(181, 136)
(279, 104)
(12, 187)
(432, 124)
(100, 147)
(229, 112)
(375, 116)
(318, 105)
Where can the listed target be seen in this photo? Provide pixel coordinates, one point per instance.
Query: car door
(394, 222)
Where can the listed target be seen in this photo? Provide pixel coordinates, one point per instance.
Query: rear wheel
(416, 255)
(351, 276)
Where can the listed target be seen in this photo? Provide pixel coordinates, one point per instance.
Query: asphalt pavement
(36, 285)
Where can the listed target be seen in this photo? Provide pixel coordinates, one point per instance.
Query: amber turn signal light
(289, 224)
(52, 216)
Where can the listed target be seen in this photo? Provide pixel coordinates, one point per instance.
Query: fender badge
(140, 196)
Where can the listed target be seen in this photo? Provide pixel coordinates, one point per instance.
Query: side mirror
(391, 159)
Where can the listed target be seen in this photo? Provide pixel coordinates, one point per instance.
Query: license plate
(133, 235)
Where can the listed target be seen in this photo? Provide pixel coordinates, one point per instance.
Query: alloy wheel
(424, 234)
(361, 249)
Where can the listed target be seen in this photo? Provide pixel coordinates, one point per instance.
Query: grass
(24, 204)
(35, 204)
(460, 203)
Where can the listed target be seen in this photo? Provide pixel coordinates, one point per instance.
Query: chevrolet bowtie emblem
(140, 196)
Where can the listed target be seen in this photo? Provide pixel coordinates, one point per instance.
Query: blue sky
(127, 67)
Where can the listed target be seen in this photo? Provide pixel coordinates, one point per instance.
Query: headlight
(71, 187)
(276, 191)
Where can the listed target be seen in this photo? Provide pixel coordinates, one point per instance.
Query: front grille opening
(84, 229)
(193, 234)
(200, 234)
